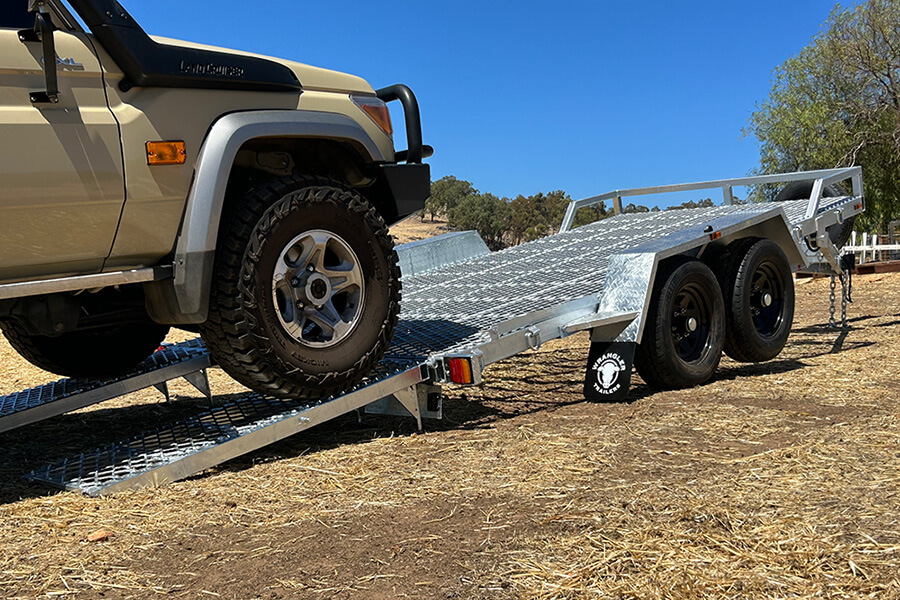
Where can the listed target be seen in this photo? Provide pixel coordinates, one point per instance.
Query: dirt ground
(777, 480)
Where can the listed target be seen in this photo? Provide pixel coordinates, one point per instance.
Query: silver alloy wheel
(318, 288)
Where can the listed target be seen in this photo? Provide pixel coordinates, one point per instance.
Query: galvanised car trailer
(666, 291)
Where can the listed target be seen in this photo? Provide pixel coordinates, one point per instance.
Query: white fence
(867, 248)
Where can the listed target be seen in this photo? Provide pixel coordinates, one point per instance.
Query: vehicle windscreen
(15, 15)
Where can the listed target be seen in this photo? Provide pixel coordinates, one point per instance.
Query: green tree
(589, 214)
(523, 218)
(446, 193)
(487, 214)
(704, 203)
(536, 216)
(837, 103)
(635, 208)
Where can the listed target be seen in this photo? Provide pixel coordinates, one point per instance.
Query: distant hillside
(412, 229)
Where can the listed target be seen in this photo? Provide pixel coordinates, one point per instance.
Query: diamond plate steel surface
(436, 252)
(488, 290)
(632, 272)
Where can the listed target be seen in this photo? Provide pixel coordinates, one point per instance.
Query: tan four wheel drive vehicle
(148, 183)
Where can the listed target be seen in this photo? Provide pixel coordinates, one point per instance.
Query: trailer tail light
(166, 153)
(858, 206)
(461, 371)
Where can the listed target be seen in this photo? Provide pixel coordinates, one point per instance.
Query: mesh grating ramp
(66, 395)
(460, 306)
(178, 450)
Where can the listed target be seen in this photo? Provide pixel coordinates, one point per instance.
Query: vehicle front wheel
(306, 289)
(685, 329)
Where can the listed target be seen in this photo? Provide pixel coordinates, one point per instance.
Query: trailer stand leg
(200, 381)
(409, 398)
(164, 388)
(421, 401)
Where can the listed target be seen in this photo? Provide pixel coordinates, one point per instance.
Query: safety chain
(846, 278)
(831, 321)
(845, 297)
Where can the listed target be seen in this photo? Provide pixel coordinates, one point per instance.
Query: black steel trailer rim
(767, 300)
(691, 322)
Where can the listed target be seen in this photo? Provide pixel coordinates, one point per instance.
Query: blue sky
(522, 97)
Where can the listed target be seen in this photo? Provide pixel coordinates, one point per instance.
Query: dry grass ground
(777, 480)
(413, 229)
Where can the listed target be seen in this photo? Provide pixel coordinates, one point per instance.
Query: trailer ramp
(188, 359)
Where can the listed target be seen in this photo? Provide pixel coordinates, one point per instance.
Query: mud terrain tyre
(685, 328)
(758, 289)
(306, 289)
(86, 354)
(800, 190)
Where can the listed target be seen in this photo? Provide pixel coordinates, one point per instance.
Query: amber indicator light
(460, 370)
(715, 236)
(381, 115)
(166, 153)
(858, 206)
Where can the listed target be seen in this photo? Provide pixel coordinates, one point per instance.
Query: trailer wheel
(306, 289)
(92, 353)
(759, 300)
(685, 328)
(800, 190)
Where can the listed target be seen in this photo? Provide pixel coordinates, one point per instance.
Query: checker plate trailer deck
(667, 290)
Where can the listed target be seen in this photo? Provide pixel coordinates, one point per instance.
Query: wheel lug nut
(295, 282)
(311, 269)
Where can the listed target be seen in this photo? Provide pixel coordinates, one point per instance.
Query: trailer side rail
(820, 178)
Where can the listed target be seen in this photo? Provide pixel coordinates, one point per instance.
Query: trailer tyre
(685, 328)
(759, 300)
(306, 289)
(800, 190)
(86, 354)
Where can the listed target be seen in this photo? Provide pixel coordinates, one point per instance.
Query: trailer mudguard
(183, 300)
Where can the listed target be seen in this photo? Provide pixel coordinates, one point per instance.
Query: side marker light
(166, 153)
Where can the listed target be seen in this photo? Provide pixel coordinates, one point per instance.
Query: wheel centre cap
(317, 288)
(766, 299)
(691, 324)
